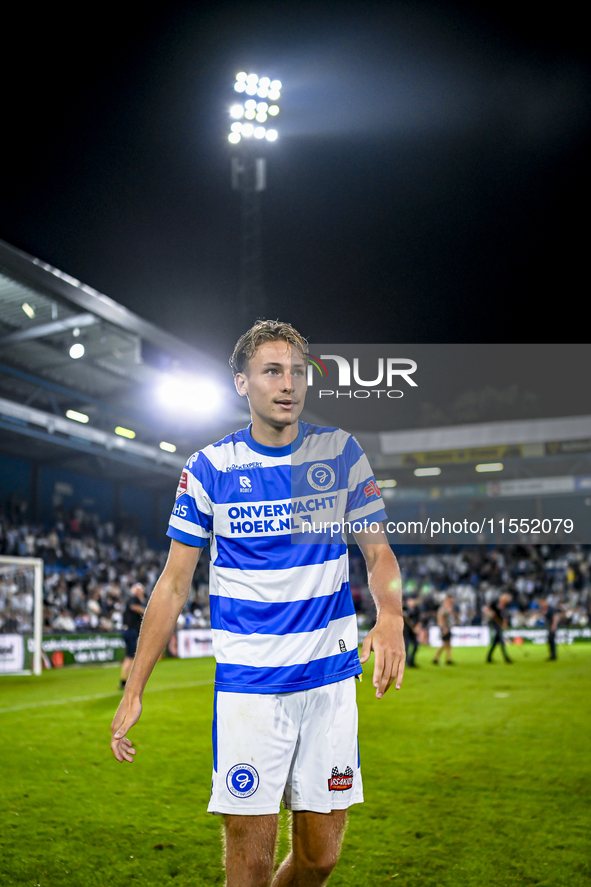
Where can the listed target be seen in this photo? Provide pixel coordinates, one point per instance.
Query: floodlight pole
(249, 177)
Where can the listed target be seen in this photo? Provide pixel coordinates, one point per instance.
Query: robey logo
(388, 371)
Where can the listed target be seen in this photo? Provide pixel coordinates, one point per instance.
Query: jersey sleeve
(191, 520)
(364, 500)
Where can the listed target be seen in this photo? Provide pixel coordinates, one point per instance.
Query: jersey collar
(274, 451)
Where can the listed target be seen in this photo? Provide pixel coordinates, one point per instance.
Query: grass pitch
(474, 775)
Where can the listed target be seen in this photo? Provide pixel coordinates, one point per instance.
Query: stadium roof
(42, 313)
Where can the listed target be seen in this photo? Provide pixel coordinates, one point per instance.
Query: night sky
(429, 183)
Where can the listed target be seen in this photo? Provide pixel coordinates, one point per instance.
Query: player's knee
(258, 869)
(319, 868)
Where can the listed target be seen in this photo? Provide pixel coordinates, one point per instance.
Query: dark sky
(429, 183)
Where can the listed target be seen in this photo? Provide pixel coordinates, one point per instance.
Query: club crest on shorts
(242, 780)
(340, 782)
(320, 476)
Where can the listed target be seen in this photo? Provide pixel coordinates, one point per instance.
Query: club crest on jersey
(242, 780)
(321, 476)
(182, 487)
(245, 484)
(340, 782)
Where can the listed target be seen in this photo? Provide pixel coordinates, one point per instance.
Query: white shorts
(300, 747)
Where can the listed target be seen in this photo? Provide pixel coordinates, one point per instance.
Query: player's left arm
(386, 637)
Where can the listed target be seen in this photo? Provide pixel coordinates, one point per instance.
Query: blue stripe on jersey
(357, 497)
(187, 538)
(271, 553)
(317, 673)
(186, 507)
(257, 617)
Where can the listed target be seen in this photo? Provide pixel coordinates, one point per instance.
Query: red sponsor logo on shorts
(340, 782)
(371, 489)
(182, 487)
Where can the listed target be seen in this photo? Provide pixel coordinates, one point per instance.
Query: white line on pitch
(46, 702)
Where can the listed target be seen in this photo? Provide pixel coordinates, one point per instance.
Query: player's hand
(387, 642)
(126, 716)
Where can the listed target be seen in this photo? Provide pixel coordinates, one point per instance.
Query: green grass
(473, 775)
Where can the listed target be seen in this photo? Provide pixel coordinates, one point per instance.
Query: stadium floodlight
(427, 472)
(189, 395)
(386, 484)
(167, 447)
(29, 310)
(125, 432)
(77, 350)
(76, 416)
(252, 109)
(490, 466)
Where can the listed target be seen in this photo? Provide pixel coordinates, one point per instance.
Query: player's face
(275, 383)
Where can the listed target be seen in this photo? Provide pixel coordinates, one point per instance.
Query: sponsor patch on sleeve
(371, 489)
(182, 487)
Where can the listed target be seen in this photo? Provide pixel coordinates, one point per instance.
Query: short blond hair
(264, 331)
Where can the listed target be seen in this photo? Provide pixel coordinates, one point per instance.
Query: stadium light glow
(29, 310)
(427, 472)
(262, 88)
(490, 466)
(167, 447)
(189, 395)
(77, 350)
(76, 416)
(125, 432)
(386, 484)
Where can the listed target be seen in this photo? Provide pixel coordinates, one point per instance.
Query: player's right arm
(164, 607)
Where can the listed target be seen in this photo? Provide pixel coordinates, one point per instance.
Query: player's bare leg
(250, 849)
(316, 845)
(126, 667)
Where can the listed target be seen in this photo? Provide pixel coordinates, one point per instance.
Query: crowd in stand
(91, 566)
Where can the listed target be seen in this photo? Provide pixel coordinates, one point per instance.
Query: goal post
(21, 582)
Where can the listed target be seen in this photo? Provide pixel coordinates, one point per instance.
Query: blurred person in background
(412, 619)
(497, 623)
(551, 618)
(132, 621)
(445, 621)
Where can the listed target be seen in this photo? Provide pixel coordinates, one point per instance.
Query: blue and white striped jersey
(282, 615)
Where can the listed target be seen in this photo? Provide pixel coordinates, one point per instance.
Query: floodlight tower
(248, 133)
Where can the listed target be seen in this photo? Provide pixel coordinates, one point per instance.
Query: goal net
(21, 614)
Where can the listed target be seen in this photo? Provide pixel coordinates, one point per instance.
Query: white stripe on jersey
(196, 490)
(277, 650)
(359, 471)
(320, 447)
(357, 514)
(281, 586)
(237, 454)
